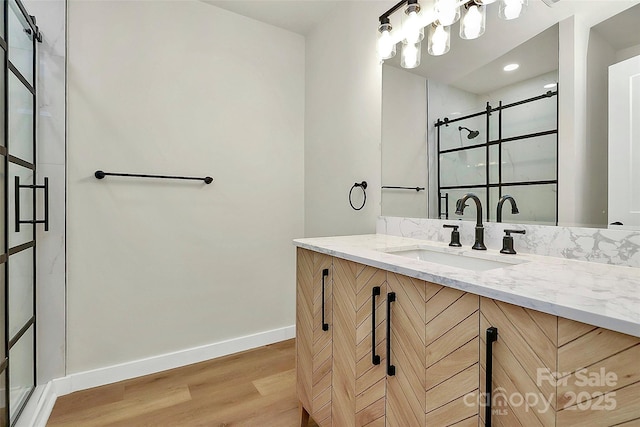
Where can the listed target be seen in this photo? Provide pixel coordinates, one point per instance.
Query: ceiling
(616, 32)
(527, 38)
(297, 16)
(536, 56)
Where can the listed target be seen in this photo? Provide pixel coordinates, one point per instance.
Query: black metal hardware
(102, 174)
(492, 336)
(391, 369)
(455, 235)
(460, 205)
(446, 203)
(384, 18)
(17, 188)
(375, 358)
(362, 185)
(403, 188)
(514, 206)
(325, 273)
(507, 241)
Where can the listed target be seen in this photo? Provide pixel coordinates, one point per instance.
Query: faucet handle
(455, 235)
(507, 241)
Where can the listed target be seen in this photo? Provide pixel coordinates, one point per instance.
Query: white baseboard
(163, 362)
(41, 403)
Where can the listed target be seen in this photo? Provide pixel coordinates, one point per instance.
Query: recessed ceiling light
(550, 85)
(511, 67)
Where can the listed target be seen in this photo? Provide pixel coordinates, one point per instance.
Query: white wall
(180, 87)
(404, 142)
(572, 120)
(599, 56)
(342, 120)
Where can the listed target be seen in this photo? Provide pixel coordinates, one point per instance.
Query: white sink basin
(464, 261)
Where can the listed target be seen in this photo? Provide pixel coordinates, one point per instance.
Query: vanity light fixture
(412, 26)
(447, 12)
(472, 23)
(511, 9)
(550, 85)
(511, 67)
(439, 39)
(441, 14)
(386, 46)
(411, 53)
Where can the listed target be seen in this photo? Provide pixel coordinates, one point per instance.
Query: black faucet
(514, 207)
(460, 205)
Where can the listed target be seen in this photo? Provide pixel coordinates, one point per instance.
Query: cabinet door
(358, 384)
(523, 389)
(314, 330)
(599, 372)
(405, 405)
(452, 357)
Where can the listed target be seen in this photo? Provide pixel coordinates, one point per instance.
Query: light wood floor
(253, 388)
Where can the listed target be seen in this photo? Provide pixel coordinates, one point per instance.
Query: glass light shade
(410, 55)
(439, 40)
(412, 26)
(386, 47)
(473, 21)
(447, 12)
(512, 9)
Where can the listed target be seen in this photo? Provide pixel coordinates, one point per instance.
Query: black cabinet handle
(17, 188)
(492, 336)
(391, 369)
(375, 358)
(325, 326)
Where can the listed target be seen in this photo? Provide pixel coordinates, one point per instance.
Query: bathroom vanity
(395, 331)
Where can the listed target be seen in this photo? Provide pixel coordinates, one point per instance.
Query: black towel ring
(362, 185)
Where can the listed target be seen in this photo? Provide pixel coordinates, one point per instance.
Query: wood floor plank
(252, 388)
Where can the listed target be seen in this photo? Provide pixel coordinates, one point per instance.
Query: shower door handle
(17, 189)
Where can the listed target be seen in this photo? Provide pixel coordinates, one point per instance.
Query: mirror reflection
(500, 127)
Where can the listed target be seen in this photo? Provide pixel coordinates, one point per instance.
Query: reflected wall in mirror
(547, 142)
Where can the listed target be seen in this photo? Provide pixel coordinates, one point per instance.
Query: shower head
(472, 133)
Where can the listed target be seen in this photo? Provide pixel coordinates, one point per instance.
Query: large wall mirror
(471, 121)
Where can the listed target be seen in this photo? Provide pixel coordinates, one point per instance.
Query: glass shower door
(19, 195)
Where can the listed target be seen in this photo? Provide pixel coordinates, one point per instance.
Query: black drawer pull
(391, 369)
(492, 336)
(325, 326)
(375, 358)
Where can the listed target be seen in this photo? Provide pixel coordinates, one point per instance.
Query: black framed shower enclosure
(494, 183)
(19, 39)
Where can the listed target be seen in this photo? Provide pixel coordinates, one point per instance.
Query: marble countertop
(603, 295)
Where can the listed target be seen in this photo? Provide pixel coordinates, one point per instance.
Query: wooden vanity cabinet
(420, 376)
(430, 364)
(551, 371)
(452, 349)
(524, 363)
(314, 334)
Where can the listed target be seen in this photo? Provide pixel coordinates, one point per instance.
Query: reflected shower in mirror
(487, 131)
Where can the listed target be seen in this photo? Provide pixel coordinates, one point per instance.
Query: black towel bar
(102, 174)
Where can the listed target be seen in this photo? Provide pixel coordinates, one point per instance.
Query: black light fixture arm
(384, 18)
